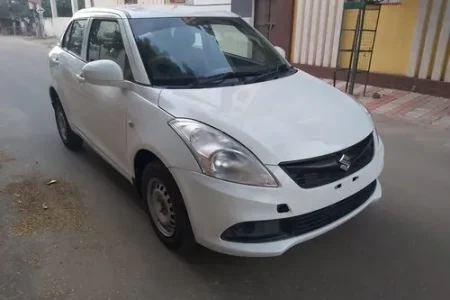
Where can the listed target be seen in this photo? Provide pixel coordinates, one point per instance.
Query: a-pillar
(74, 6)
(53, 8)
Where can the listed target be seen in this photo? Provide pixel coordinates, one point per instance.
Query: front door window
(105, 42)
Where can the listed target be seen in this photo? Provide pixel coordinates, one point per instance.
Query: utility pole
(53, 8)
(12, 17)
(40, 27)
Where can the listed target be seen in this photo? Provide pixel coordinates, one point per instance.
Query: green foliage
(20, 8)
(4, 9)
(16, 8)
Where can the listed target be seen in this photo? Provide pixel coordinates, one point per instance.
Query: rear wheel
(70, 139)
(166, 208)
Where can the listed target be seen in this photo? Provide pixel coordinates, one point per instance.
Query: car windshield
(205, 51)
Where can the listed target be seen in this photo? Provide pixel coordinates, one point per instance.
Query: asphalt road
(399, 248)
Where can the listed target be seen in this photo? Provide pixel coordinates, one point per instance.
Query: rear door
(71, 63)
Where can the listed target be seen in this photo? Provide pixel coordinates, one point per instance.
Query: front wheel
(166, 208)
(70, 139)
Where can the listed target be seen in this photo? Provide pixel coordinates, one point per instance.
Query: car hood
(292, 118)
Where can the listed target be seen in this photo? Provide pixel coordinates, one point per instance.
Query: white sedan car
(230, 146)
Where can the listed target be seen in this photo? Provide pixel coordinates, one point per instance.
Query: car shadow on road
(113, 177)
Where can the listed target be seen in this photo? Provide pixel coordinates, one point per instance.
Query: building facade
(411, 49)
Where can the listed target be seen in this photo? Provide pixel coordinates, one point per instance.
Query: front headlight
(220, 156)
(367, 111)
(371, 118)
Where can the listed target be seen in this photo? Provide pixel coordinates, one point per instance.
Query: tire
(70, 139)
(158, 183)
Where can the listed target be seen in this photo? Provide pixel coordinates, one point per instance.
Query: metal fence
(19, 30)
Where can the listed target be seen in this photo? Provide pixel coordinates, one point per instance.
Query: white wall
(208, 2)
(113, 3)
(107, 3)
(152, 1)
(317, 31)
(211, 4)
(56, 26)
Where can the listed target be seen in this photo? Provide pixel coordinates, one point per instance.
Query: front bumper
(215, 205)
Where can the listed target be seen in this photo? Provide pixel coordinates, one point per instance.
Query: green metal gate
(356, 44)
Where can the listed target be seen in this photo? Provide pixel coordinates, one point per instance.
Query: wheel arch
(54, 97)
(141, 159)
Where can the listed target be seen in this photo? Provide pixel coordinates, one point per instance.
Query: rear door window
(75, 39)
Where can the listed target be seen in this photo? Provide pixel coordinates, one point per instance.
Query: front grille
(280, 229)
(326, 169)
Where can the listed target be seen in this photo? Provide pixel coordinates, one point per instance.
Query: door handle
(80, 79)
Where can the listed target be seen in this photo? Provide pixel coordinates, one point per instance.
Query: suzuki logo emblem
(345, 162)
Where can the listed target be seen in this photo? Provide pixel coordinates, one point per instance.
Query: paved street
(414, 107)
(399, 248)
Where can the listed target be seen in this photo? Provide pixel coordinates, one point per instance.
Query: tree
(13, 11)
(16, 9)
(4, 10)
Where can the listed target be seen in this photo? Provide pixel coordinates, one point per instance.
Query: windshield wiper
(219, 78)
(271, 73)
(257, 76)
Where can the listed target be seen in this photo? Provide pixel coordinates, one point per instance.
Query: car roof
(156, 11)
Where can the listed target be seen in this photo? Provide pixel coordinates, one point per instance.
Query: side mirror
(104, 72)
(281, 51)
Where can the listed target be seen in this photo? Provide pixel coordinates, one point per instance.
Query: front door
(107, 106)
(274, 19)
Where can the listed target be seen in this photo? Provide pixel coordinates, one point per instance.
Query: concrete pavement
(398, 248)
(419, 108)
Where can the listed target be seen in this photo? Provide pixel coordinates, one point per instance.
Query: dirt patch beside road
(5, 157)
(42, 225)
(40, 206)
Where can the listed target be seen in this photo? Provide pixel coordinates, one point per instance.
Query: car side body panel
(150, 131)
